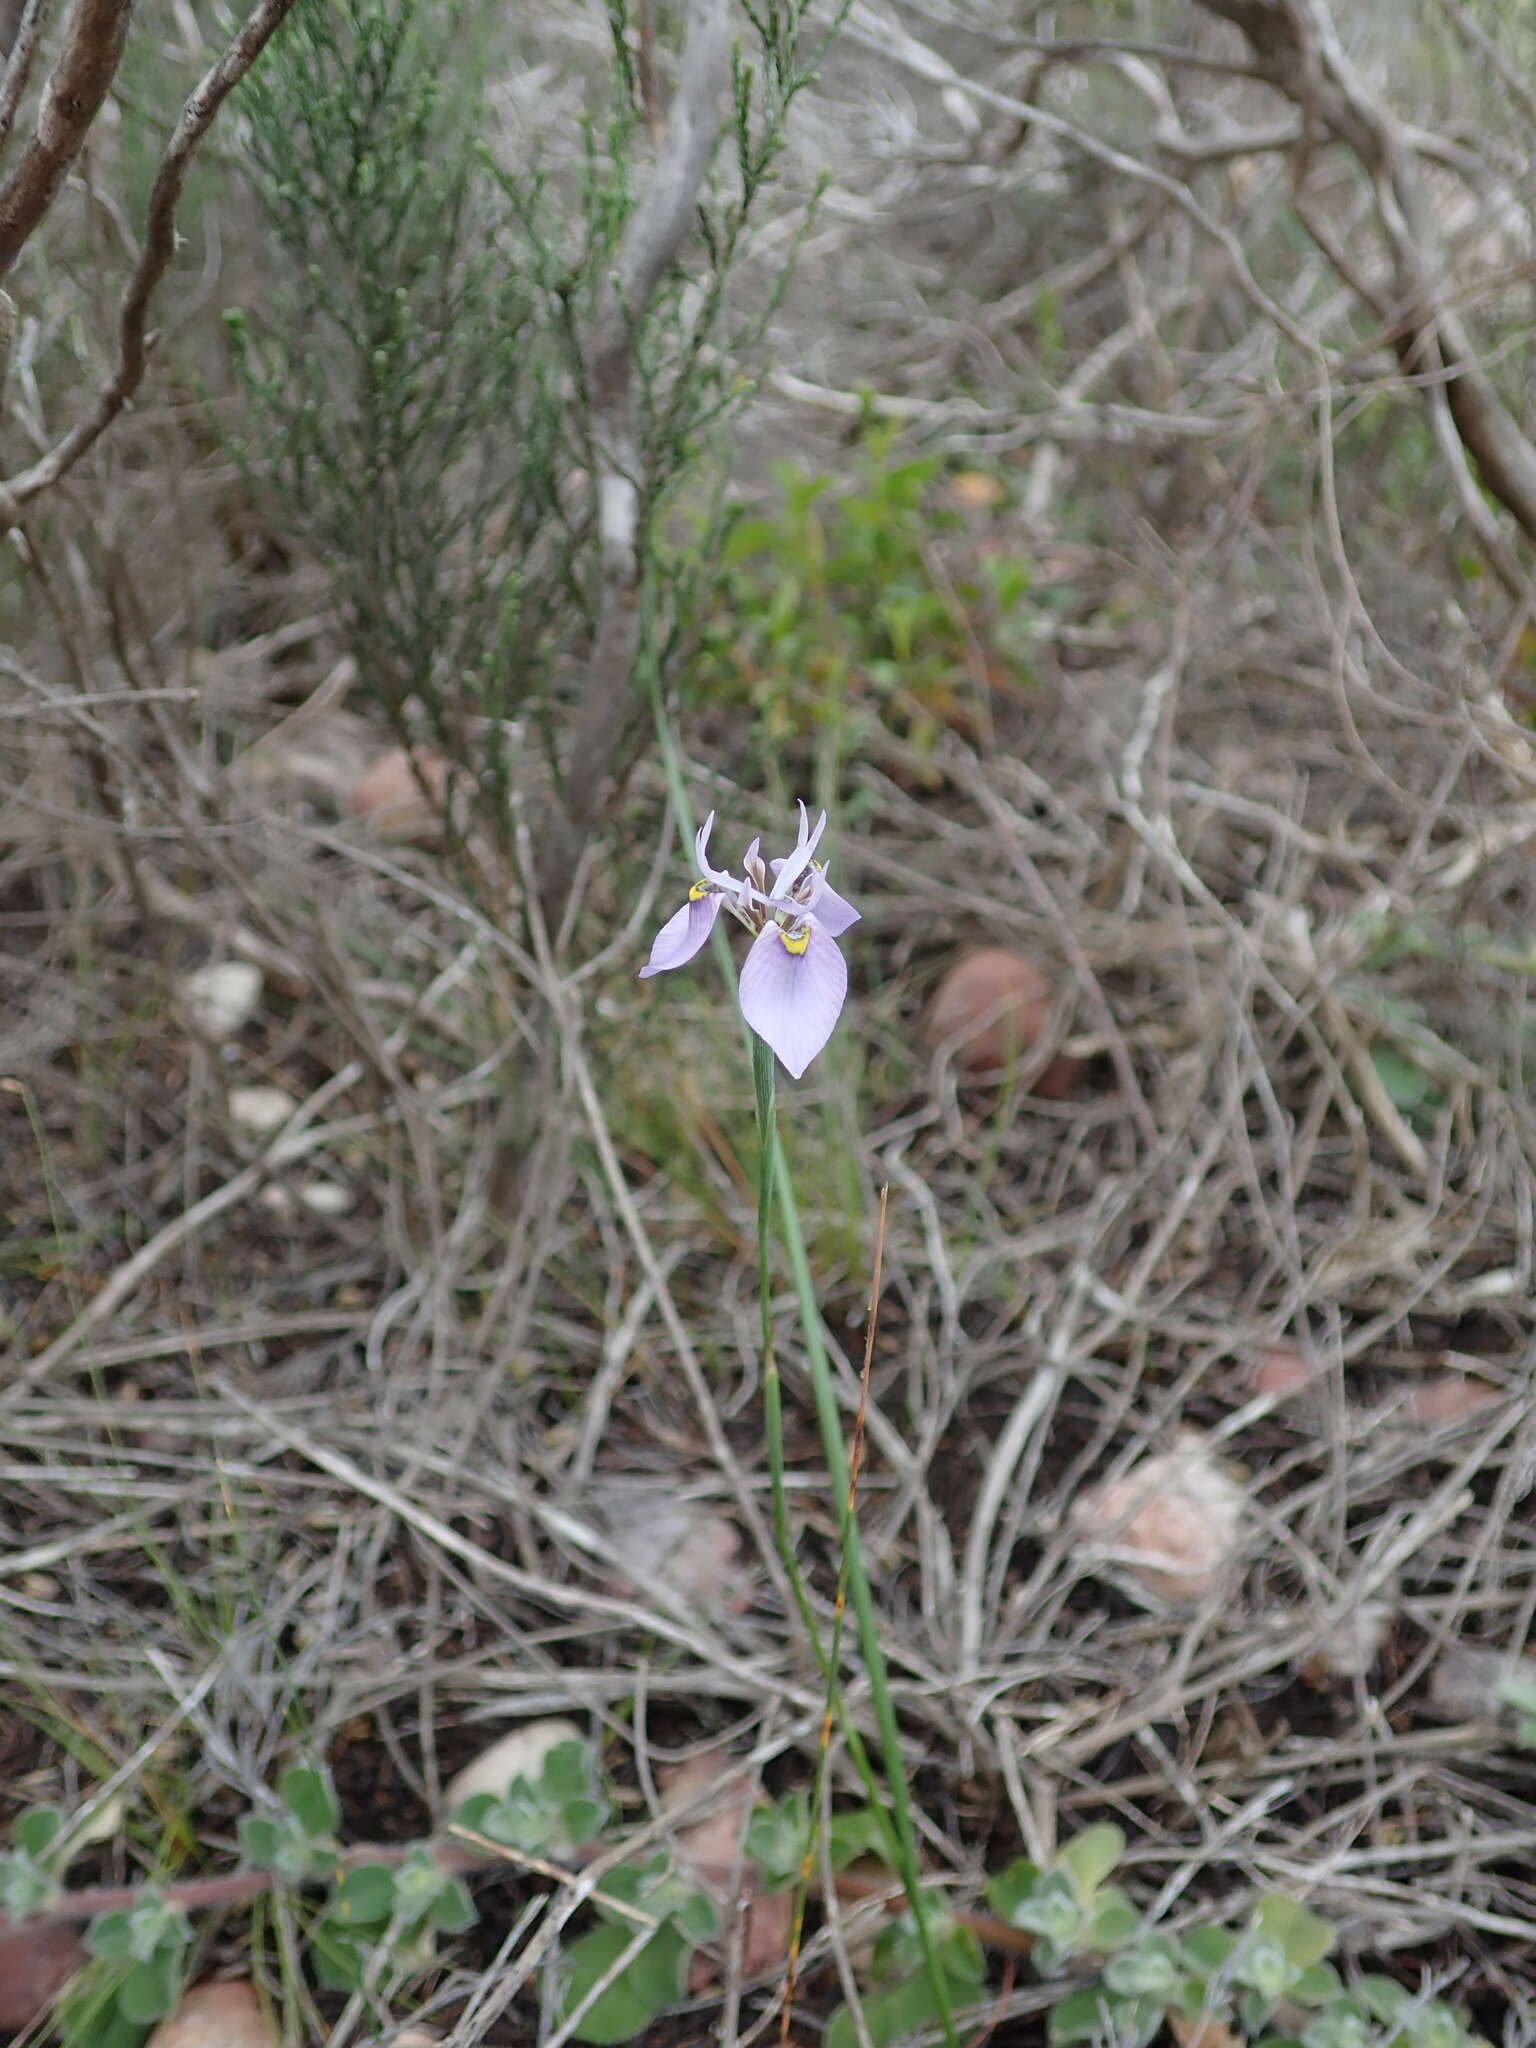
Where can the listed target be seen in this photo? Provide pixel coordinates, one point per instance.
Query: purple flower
(794, 980)
(684, 933)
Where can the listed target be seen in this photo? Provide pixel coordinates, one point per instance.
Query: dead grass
(372, 1480)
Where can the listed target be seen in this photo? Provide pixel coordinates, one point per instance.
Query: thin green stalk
(830, 1422)
(839, 1615)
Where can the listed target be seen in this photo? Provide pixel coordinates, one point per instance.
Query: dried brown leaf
(36, 1962)
(1171, 1526)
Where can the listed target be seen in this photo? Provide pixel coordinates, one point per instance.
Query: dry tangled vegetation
(425, 1395)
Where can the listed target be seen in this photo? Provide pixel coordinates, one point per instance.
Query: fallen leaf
(973, 487)
(221, 998)
(712, 1844)
(225, 2015)
(1171, 1527)
(994, 1007)
(403, 794)
(711, 1848)
(1281, 1371)
(520, 1753)
(1450, 1397)
(691, 1549)
(317, 754)
(36, 1962)
(1464, 1683)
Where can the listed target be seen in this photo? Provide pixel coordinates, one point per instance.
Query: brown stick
(20, 33)
(72, 97)
(134, 343)
(198, 1894)
(1299, 54)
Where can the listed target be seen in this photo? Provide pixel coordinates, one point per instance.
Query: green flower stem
(774, 1176)
(830, 1421)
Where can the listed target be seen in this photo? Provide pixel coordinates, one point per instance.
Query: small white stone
(261, 1109)
(216, 2016)
(221, 997)
(1353, 1644)
(326, 1198)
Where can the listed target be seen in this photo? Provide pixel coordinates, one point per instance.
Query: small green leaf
(900, 1950)
(1079, 2016)
(659, 1974)
(776, 1840)
(109, 1937)
(960, 1957)
(620, 2012)
(1209, 1947)
(311, 1798)
(1148, 1970)
(697, 1918)
(517, 1826)
(36, 1832)
(582, 1819)
(260, 1841)
(1263, 1965)
(1054, 1912)
(748, 537)
(1382, 1997)
(1404, 1079)
(336, 1957)
(1305, 1936)
(896, 2012)
(858, 1832)
(1435, 2026)
(1317, 1985)
(1089, 1857)
(567, 1772)
(154, 1924)
(365, 1895)
(1519, 1693)
(25, 1887)
(1340, 2027)
(632, 1884)
(419, 1882)
(474, 1811)
(1015, 1883)
(150, 1989)
(453, 1910)
(1115, 1919)
(1254, 2010)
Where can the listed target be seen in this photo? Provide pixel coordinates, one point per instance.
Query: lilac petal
(683, 934)
(788, 872)
(793, 999)
(833, 913)
(716, 875)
